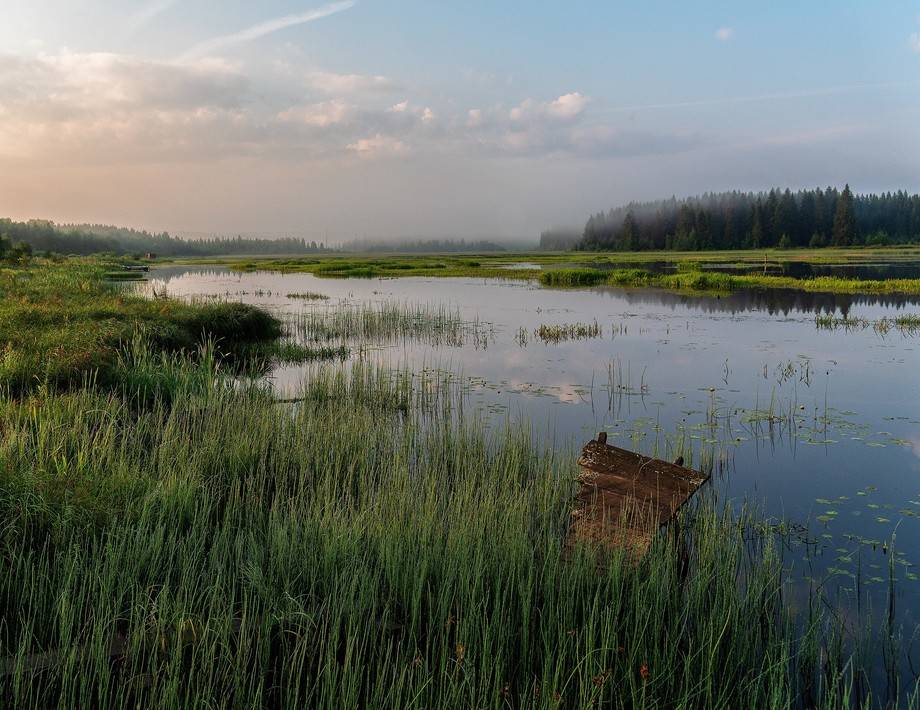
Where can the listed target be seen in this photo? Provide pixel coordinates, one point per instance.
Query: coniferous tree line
(746, 220)
(46, 236)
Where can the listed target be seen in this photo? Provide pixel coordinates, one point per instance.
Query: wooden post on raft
(625, 498)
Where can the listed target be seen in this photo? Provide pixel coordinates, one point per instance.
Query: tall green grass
(572, 277)
(386, 322)
(360, 548)
(175, 537)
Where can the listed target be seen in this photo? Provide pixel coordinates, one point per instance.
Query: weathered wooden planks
(625, 498)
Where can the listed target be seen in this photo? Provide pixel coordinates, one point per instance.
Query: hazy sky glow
(428, 119)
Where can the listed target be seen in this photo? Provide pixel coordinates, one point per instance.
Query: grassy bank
(579, 269)
(698, 280)
(62, 322)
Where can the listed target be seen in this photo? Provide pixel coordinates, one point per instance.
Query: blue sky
(491, 119)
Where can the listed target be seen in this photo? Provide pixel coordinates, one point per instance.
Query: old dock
(626, 498)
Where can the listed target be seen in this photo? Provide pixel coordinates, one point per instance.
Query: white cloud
(407, 113)
(321, 115)
(266, 28)
(568, 105)
(378, 145)
(100, 108)
(915, 42)
(331, 83)
(723, 34)
(565, 107)
(81, 82)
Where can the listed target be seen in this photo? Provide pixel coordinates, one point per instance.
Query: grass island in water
(579, 269)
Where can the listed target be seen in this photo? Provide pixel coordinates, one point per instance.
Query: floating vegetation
(905, 324)
(308, 296)
(560, 333)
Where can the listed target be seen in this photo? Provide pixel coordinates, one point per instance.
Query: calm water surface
(845, 467)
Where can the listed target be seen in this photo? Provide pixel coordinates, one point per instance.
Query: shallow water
(840, 456)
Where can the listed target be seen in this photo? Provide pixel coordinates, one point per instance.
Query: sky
(417, 119)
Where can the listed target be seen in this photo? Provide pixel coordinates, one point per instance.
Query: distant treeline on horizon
(46, 236)
(747, 220)
(422, 246)
(85, 239)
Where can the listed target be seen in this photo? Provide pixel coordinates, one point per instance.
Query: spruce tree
(844, 232)
(629, 237)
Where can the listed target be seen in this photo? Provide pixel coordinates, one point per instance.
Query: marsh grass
(908, 324)
(572, 277)
(360, 549)
(690, 276)
(564, 332)
(365, 543)
(377, 267)
(387, 322)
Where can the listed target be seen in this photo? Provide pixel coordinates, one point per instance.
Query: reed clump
(560, 333)
(384, 322)
(572, 277)
(908, 324)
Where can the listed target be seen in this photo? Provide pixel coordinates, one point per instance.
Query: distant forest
(560, 239)
(42, 236)
(421, 246)
(745, 220)
(45, 236)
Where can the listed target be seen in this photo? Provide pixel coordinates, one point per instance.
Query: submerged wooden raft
(625, 498)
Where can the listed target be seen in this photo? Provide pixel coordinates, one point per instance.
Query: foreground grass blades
(363, 548)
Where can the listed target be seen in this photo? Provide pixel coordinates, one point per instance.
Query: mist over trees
(46, 236)
(559, 239)
(83, 239)
(746, 220)
(421, 246)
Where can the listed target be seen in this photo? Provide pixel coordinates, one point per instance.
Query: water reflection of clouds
(915, 445)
